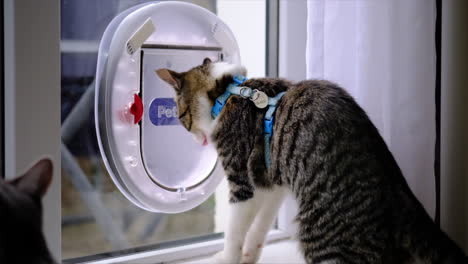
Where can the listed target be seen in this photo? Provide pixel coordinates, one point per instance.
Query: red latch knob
(136, 109)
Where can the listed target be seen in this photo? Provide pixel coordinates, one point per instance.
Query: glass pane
(89, 196)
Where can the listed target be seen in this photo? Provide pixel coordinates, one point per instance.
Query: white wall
(454, 121)
(32, 98)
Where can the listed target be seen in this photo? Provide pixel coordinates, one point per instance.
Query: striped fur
(354, 203)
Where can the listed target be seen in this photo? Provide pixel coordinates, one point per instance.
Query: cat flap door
(151, 158)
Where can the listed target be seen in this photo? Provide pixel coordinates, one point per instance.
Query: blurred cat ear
(171, 77)
(36, 180)
(206, 61)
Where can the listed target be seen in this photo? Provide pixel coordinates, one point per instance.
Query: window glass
(96, 217)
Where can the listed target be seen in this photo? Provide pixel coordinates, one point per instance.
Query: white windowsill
(283, 251)
(193, 251)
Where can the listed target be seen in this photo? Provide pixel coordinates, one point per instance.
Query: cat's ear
(171, 77)
(206, 61)
(36, 180)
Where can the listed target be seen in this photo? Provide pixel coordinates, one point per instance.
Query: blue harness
(247, 92)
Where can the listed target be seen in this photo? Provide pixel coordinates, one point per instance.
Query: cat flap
(151, 158)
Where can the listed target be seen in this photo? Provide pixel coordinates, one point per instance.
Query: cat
(354, 203)
(21, 237)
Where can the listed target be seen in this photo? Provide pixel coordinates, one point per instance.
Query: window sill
(283, 251)
(189, 252)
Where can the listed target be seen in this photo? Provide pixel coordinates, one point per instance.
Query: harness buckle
(245, 92)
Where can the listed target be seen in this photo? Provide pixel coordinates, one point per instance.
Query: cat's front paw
(251, 255)
(223, 258)
(249, 258)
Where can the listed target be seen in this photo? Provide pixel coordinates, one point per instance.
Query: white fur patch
(248, 223)
(206, 123)
(219, 69)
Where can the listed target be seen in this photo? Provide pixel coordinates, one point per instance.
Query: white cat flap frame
(154, 161)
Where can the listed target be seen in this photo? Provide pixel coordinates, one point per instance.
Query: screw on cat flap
(151, 158)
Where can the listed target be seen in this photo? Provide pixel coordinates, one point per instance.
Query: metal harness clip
(245, 92)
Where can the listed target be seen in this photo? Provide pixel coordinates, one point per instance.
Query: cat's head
(21, 237)
(196, 91)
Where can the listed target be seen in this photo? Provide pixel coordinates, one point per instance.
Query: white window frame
(180, 253)
(292, 66)
(32, 99)
(33, 28)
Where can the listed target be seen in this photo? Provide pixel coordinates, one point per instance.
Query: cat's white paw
(251, 255)
(223, 258)
(250, 258)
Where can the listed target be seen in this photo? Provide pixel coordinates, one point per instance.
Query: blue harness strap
(268, 125)
(247, 92)
(233, 88)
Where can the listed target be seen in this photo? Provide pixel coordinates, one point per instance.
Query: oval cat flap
(151, 158)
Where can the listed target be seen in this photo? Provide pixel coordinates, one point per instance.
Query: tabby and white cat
(21, 237)
(354, 203)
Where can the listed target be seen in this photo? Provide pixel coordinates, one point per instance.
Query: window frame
(32, 99)
(170, 251)
(291, 52)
